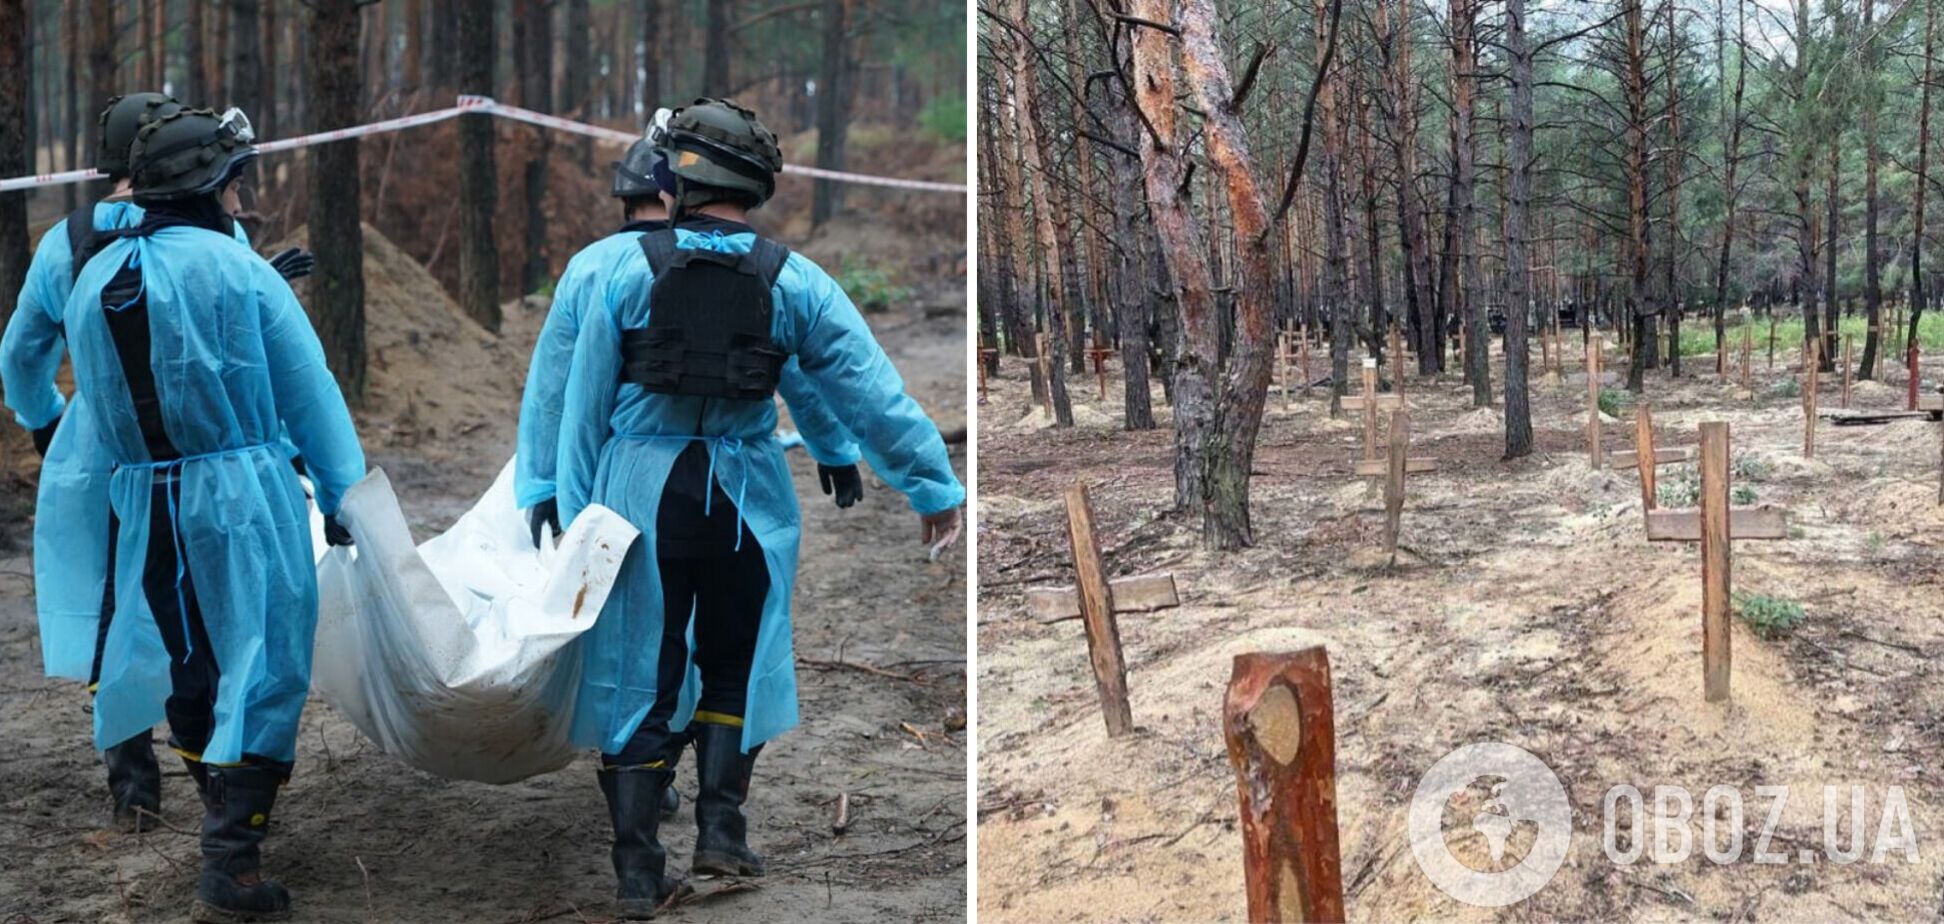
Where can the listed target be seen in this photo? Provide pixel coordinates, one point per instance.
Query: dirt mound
(439, 382)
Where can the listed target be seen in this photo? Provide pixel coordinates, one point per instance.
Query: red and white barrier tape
(488, 106)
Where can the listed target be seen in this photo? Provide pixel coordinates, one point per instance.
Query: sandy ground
(360, 837)
(1527, 609)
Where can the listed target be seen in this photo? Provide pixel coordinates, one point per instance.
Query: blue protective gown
(71, 525)
(618, 443)
(592, 280)
(236, 363)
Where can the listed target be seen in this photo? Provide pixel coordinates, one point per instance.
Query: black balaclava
(204, 211)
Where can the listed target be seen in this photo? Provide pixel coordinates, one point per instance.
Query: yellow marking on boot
(718, 718)
(257, 820)
(187, 755)
(93, 687)
(651, 765)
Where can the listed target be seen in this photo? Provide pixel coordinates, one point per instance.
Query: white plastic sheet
(449, 655)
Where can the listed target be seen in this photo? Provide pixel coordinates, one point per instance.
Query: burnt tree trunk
(336, 236)
(478, 187)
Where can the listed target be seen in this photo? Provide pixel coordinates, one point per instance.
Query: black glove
(545, 512)
(844, 481)
(44, 437)
(293, 264)
(297, 465)
(334, 532)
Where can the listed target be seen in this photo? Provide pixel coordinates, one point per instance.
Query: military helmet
(716, 143)
(634, 173)
(124, 117)
(188, 153)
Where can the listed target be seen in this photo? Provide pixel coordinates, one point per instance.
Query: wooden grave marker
(1043, 358)
(1394, 469)
(1397, 361)
(1849, 346)
(985, 355)
(1097, 612)
(1100, 354)
(1715, 525)
(1771, 356)
(1368, 404)
(1812, 373)
(1644, 457)
(1748, 355)
(1278, 721)
(1303, 347)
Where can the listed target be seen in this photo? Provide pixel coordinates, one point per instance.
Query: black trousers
(703, 573)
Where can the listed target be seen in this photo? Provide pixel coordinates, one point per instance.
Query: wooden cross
(1043, 357)
(1644, 457)
(1812, 369)
(1593, 400)
(1394, 469)
(1285, 353)
(1913, 352)
(1100, 354)
(1278, 721)
(1748, 355)
(1096, 600)
(1771, 355)
(1368, 403)
(1714, 525)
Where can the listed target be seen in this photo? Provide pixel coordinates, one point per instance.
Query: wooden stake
(1278, 720)
(1400, 444)
(1645, 455)
(1284, 350)
(1043, 356)
(1593, 400)
(1100, 368)
(1714, 560)
(1771, 358)
(1097, 612)
(1748, 356)
(1370, 408)
(1812, 361)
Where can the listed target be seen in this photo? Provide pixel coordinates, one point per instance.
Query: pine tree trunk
(1518, 153)
(833, 107)
(1872, 153)
(103, 77)
(715, 48)
(651, 45)
(336, 235)
(533, 54)
(16, 157)
(478, 186)
(1053, 248)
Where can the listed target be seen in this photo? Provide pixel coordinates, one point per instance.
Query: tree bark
(833, 107)
(1731, 194)
(652, 42)
(16, 158)
(478, 187)
(336, 234)
(533, 56)
(1518, 154)
(1464, 63)
(715, 48)
(1872, 153)
(102, 75)
(1054, 248)
(1917, 288)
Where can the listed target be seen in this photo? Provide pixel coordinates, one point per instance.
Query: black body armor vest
(708, 333)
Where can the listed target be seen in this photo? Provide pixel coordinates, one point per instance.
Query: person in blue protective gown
(73, 532)
(585, 283)
(195, 356)
(668, 419)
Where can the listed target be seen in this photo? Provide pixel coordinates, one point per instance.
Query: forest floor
(1527, 609)
(360, 837)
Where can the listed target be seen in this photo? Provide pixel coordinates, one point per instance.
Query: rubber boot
(671, 802)
(722, 780)
(232, 888)
(135, 782)
(634, 800)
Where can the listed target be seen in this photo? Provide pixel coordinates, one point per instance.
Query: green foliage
(1697, 335)
(1786, 388)
(944, 117)
(1874, 542)
(870, 285)
(1742, 494)
(1768, 616)
(1613, 400)
(1749, 468)
(1680, 491)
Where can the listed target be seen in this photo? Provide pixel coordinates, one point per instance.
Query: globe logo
(1525, 809)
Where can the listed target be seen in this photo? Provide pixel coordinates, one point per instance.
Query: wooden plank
(1135, 593)
(1384, 402)
(1371, 468)
(1397, 360)
(1715, 533)
(1663, 455)
(1763, 522)
(1400, 447)
(1302, 338)
(1097, 611)
(1278, 722)
(1043, 357)
(1748, 354)
(1812, 371)
(1930, 403)
(1849, 346)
